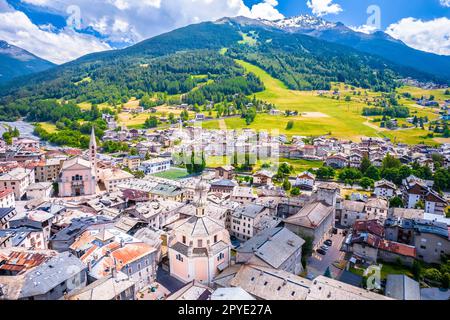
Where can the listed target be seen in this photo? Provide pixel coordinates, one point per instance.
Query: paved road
(170, 283)
(318, 264)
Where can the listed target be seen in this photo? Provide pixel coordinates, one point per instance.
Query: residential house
(132, 162)
(337, 161)
(155, 165)
(63, 239)
(263, 178)
(223, 186)
(7, 198)
(376, 208)
(324, 288)
(48, 170)
(192, 291)
(50, 279)
(243, 195)
(113, 177)
(6, 214)
(108, 250)
(351, 212)
(17, 180)
(224, 172)
(117, 286)
(40, 190)
(385, 189)
(367, 244)
(245, 218)
(315, 220)
(305, 180)
(266, 283)
(277, 248)
(431, 240)
(38, 219)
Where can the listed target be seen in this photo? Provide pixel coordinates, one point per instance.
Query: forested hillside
(188, 61)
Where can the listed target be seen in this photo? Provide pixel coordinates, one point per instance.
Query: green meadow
(321, 115)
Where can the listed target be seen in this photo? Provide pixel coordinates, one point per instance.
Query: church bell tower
(93, 153)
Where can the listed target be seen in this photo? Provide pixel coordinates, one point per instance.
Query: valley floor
(321, 115)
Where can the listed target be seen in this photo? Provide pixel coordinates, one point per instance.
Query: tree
(365, 164)
(390, 162)
(373, 173)
(284, 170)
(286, 184)
(196, 165)
(290, 125)
(325, 173)
(7, 137)
(184, 115)
(366, 183)
(396, 202)
(350, 175)
(151, 122)
(420, 205)
(295, 191)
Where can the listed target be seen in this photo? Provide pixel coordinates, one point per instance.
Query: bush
(433, 275)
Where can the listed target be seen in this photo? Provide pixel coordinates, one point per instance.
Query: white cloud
(445, 3)
(118, 21)
(323, 7)
(266, 10)
(431, 36)
(65, 45)
(364, 29)
(141, 19)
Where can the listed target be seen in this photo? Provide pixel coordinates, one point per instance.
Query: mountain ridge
(377, 43)
(16, 62)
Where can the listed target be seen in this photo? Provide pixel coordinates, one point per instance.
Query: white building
(40, 190)
(305, 180)
(155, 165)
(17, 180)
(113, 177)
(245, 218)
(7, 199)
(385, 189)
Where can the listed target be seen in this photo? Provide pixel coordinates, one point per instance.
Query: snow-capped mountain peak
(302, 22)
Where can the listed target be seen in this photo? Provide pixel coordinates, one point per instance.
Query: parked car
(328, 242)
(321, 251)
(324, 247)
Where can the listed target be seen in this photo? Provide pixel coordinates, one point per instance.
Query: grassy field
(320, 115)
(439, 94)
(173, 174)
(49, 127)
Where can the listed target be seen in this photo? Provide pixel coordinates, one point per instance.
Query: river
(25, 128)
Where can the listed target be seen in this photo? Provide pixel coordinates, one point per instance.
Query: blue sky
(61, 30)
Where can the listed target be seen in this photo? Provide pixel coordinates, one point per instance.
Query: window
(179, 257)
(199, 243)
(184, 239)
(215, 238)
